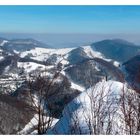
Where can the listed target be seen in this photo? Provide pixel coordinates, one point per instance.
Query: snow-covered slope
(82, 115)
(31, 127)
(30, 66)
(42, 54)
(3, 42)
(1, 58)
(65, 55)
(92, 53)
(76, 86)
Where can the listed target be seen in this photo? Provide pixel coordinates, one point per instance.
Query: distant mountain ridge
(117, 49)
(21, 44)
(132, 68)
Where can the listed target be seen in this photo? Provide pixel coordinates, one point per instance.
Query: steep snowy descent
(81, 115)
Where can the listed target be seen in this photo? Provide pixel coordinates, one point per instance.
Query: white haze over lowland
(63, 40)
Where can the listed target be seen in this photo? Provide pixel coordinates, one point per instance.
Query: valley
(35, 77)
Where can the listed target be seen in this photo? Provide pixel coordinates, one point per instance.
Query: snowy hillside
(30, 66)
(92, 52)
(42, 54)
(65, 55)
(30, 127)
(82, 114)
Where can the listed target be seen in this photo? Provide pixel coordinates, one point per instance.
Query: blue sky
(70, 19)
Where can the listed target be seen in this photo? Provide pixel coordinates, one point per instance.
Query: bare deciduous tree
(40, 86)
(130, 108)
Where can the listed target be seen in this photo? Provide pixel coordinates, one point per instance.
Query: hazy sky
(70, 19)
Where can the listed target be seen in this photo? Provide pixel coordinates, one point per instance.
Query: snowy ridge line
(37, 52)
(92, 53)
